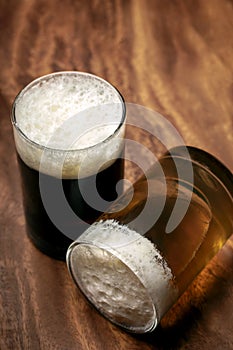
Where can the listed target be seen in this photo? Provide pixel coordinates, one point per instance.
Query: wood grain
(175, 57)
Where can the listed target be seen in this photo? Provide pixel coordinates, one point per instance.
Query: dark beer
(68, 129)
(42, 231)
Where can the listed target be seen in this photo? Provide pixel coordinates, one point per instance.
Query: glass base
(53, 251)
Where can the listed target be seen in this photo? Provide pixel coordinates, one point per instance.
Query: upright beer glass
(133, 270)
(68, 129)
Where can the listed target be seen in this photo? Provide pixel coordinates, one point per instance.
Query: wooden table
(175, 57)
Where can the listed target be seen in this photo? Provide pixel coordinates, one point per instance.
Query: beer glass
(134, 270)
(68, 130)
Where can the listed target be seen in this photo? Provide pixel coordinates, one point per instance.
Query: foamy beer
(134, 270)
(68, 130)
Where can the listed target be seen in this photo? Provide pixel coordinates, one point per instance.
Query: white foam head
(68, 116)
(123, 274)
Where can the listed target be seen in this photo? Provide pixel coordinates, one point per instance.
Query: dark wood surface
(175, 57)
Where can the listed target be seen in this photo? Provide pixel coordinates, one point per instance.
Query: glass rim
(47, 77)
